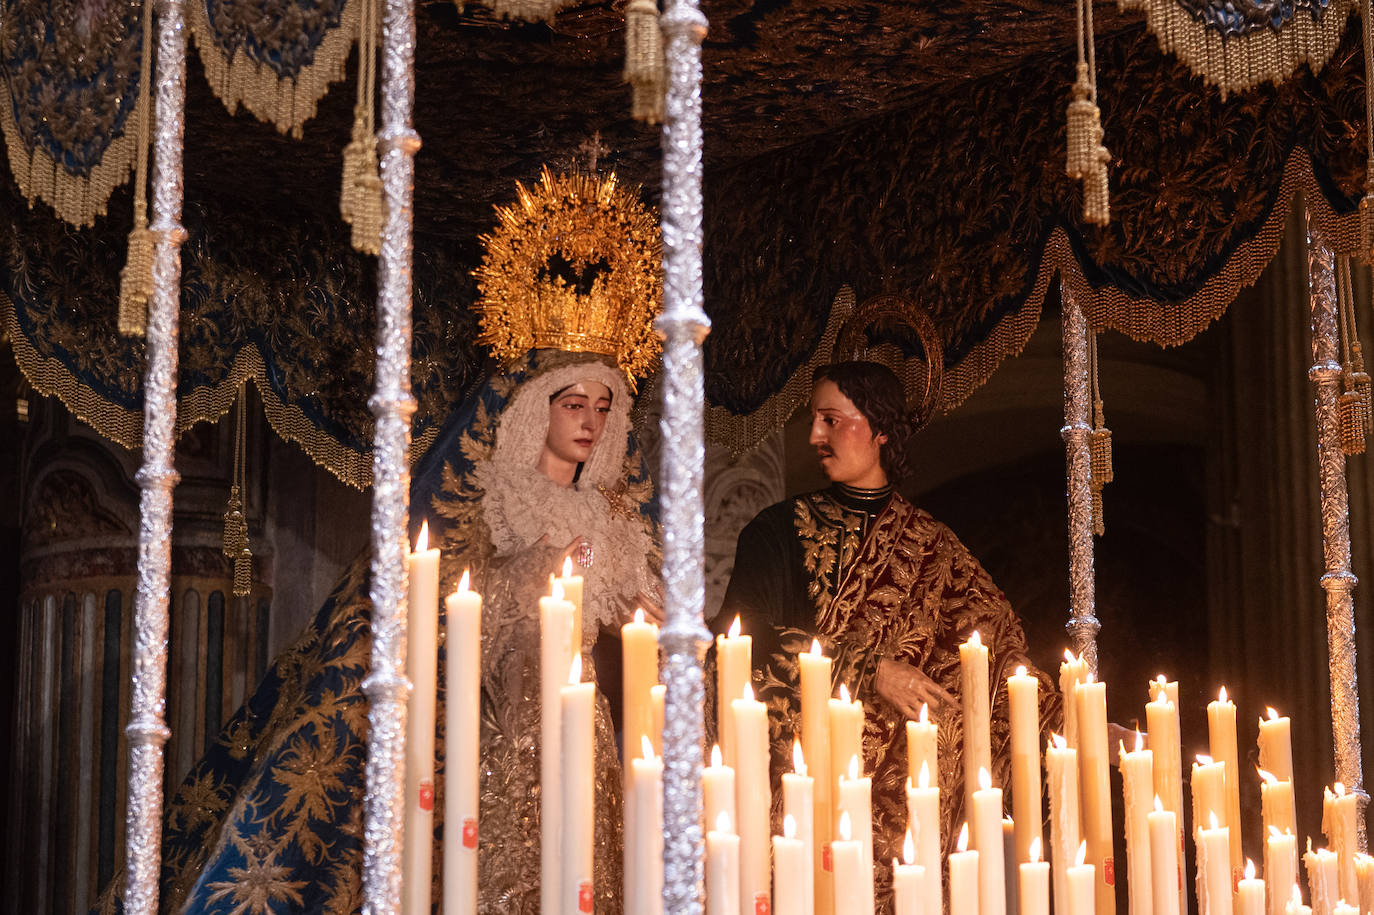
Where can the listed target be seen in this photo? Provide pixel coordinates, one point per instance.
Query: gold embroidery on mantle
(830, 538)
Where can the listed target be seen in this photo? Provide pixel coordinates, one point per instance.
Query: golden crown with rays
(573, 264)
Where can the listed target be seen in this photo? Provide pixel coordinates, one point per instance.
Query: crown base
(575, 342)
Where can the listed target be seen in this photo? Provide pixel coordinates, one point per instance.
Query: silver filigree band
(1338, 582)
(393, 405)
(684, 325)
(1083, 624)
(147, 729)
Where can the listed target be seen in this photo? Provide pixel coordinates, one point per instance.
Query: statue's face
(577, 417)
(844, 440)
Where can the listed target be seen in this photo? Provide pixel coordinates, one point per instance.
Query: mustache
(824, 451)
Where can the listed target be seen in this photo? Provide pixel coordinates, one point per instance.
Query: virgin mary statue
(539, 465)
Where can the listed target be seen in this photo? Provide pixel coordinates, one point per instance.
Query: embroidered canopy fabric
(854, 149)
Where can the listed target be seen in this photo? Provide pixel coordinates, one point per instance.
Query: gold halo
(923, 396)
(573, 264)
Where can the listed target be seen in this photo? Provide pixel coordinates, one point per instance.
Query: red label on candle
(584, 896)
(827, 863)
(761, 904)
(1109, 871)
(426, 796)
(1237, 875)
(470, 832)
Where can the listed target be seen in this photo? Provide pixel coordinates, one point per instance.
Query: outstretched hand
(907, 688)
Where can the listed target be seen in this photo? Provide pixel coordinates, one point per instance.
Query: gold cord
(1099, 442)
(136, 279)
(1086, 157)
(360, 195)
(235, 544)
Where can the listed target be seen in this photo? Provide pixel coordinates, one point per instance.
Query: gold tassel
(1354, 413)
(1367, 216)
(1099, 528)
(235, 543)
(360, 191)
(368, 217)
(1097, 206)
(136, 281)
(644, 65)
(243, 573)
(1084, 126)
(235, 525)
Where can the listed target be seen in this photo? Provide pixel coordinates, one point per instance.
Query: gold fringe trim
(51, 378)
(285, 103)
(1238, 63)
(77, 200)
(1141, 319)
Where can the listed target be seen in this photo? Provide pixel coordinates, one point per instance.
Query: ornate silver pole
(1083, 624)
(684, 325)
(393, 405)
(1338, 582)
(147, 730)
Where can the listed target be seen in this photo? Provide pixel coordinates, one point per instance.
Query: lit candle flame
(845, 828)
(975, 640)
(1068, 657)
(854, 767)
(798, 760)
(1274, 832)
(734, 628)
(925, 714)
(1091, 678)
(908, 849)
(639, 616)
(1268, 778)
(463, 586)
(646, 747)
(923, 778)
(716, 758)
(789, 827)
(1035, 850)
(1082, 853)
(723, 822)
(1221, 695)
(1020, 670)
(1139, 741)
(1212, 819)
(1058, 740)
(963, 838)
(422, 542)
(1159, 805)
(1249, 869)
(844, 693)
(575, 670)
(1339, 788)
(1204, 760)
(1272, 713)
(747, 694)
(567, 567)
(815, 647)
(556, 590)
(984, 779)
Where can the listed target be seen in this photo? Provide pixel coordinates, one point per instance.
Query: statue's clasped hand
(907, 689)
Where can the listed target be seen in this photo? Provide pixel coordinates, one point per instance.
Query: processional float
(684, 326)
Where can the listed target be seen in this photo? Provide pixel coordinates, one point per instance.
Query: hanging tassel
(136, 279)
(235, 525)
(1097, 206)
(235, 543)
(1084, 123)
(1352, 406)
(243, 573)
(360, 190)
(1100, 471)
(644, 65)
(1099, 528)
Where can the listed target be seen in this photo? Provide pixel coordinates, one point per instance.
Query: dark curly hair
(878, 394)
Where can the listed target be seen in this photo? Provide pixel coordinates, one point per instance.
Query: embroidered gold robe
(873, 577)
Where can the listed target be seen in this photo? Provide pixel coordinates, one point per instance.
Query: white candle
(1339, 816)
(814, 670)
(1023, 698)
(907, 880)
(1280, 867)
(1250, 892)
(1294, 905)
(923, 821)
(658, 694)
(578, 790)
(722, 869)
(1061, 774)
(973, 692)
(1276, 745)
(718, 789)
(1165, 874)
(1364, 874)
(571, 586)
(798, 804)
(1214, 868)
(1137, 789)
(1073, 671)
(732, 674)
(753, 798)
(555, 654)
(856, 803)
(789, 871)
(1209, 793)
(646, 852)
(1221, 731)
(639, 673)
(463, 696)
(1276, 804)
(1035, 883)
(1094, 782)
(1323, 879)
(846, 740)
(963, 877)
(922, 739)
(1161, 721)
(422, 667)
(1081, 881)
(987, 841)
(846, 857)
